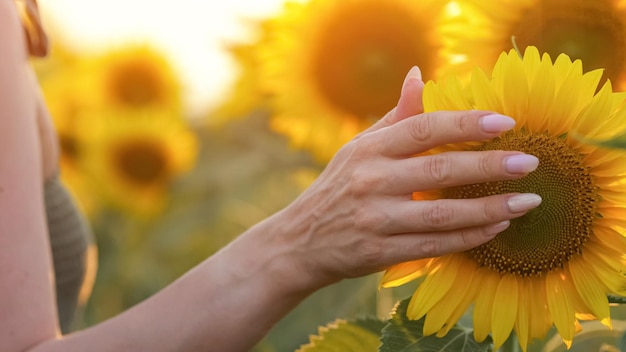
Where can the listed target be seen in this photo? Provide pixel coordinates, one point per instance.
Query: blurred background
(184, 123)
(168, 147)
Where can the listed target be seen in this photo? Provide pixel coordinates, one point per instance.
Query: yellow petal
(504, 311)
(542, 92)
(540, 319)
(474, 286)
(561, 308)
(434, 287)
(458, 100)
(515, 90)
(485, 97)
(522, 324)
(599, 108)
(484, 303)
(454, 302)
(402, 273)
(590, 290)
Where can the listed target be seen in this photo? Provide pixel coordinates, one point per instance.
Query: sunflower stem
(514, 42)
(511, 344)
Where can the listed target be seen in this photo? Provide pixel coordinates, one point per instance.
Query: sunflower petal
(504, 311)
(402, 273)
(484, 303)
(434, 287)
(590, 290)
(561, 308)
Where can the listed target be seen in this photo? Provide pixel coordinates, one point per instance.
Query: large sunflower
(556, 264)
(591, 30)
(335, 66)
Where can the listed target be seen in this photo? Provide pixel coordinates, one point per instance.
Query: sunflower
(132, 77)
(137, 159)
(59, 80)
(593, 31)
(246, 95)
(556, 264)
(333, 67)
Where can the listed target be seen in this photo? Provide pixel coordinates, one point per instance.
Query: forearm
(226, 303)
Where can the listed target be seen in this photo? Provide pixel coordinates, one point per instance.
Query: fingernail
(496, 123)
(523, 202)
(520, 163)
(495, 229)
(414, 73)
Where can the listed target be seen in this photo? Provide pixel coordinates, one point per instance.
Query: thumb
(409, 104)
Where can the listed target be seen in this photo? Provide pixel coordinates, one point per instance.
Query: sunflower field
(163, 189)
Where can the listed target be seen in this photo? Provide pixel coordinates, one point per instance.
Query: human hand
(359, 216)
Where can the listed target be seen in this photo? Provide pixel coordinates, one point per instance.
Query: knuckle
(362, 182)
(485, 165)
(369, 251)
(437, 215)
(491, 211)
(468, 238)
(438, 167)
(430, 247)
(358, 148)
(420, 128)
(465, 124)
(366, 220)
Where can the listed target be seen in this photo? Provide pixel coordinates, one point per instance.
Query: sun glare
(192, 32)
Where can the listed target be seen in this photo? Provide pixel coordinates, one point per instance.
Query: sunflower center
(136, 85)
(363, 53)
(592, 31)
(141, 163)
(548, 236)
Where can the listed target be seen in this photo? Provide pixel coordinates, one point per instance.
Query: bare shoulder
(11, 36)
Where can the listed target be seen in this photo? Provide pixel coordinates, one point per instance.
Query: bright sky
(191, 31)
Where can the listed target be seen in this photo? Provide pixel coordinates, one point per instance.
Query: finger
(413, 246)
(420, 133)
(454, 214)
(409, 104)
(456, 168)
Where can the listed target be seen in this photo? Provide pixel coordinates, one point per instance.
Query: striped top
(70, 238)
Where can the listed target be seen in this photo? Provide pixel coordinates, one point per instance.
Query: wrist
(273, 252)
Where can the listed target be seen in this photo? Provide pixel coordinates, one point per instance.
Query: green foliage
(617, 142)
(402, 334)
(398, 334)
(617, 299)
(360, 335)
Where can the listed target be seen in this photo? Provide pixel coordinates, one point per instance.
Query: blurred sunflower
(591, 30)
(556, 264)
(133, 161)
(59, 80)
(132, 77)
(246, 94)
(334, 67)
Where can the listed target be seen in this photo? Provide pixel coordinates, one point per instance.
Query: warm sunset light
(191, 32)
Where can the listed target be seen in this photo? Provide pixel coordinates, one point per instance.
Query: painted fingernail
(520, 163)
(496, 123)
(523, 202)
(414, 73)
(495, 229)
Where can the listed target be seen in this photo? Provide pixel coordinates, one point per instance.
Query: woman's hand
(359, 216)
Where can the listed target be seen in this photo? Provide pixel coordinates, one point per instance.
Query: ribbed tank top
(70, 239)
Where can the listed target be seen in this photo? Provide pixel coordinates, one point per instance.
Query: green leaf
(404, 335)
(617, 142)
(617, 299)
(360, 335)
